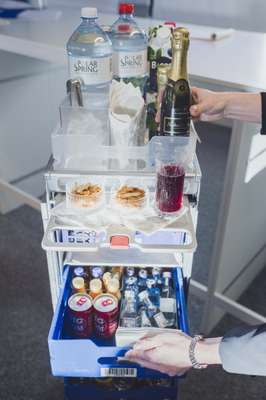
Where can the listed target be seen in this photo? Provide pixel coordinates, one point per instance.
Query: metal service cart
(90, 367)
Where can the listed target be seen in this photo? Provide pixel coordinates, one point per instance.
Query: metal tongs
(73, 88)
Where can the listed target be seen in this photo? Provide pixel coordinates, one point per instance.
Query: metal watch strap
(195, 364)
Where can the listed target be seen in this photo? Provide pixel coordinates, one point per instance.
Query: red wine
(169, 188)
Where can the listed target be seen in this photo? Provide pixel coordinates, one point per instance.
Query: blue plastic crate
(93, 357)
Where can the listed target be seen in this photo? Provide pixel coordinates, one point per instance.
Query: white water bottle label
(127, 64)
(92, 71)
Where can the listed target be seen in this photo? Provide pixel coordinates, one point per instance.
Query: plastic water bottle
(129, 48)
(90, 54)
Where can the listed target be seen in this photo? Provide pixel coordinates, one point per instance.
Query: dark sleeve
(263, 113)
(243, 350)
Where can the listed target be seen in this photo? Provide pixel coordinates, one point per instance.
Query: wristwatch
(192, 346)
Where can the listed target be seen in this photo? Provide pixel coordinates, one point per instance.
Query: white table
(235, 63)
(238, 61)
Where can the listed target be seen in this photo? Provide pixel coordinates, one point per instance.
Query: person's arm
(211, 106)
(243, 350)
(169, 352)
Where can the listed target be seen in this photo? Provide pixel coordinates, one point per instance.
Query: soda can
(80, 311)
(105, 315)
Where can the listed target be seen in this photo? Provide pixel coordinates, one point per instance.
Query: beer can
(105, 315)
(80, 311)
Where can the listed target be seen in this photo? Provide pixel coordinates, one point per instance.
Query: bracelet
(192, 346)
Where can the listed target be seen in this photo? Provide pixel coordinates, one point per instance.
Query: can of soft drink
(80, 312)
(105, 315)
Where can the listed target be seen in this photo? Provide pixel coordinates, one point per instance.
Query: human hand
(209, 106)
(169, 352)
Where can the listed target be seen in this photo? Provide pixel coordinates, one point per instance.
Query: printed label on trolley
(91, 70)
(82, 237)
(119, 372)
(126, 65)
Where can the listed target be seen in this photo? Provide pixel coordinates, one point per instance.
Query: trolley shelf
(56, 178)
(178, 237)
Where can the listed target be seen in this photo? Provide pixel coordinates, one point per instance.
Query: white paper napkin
(144, 220)
(126, 111)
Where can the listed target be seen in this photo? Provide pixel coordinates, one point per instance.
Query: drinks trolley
(91, 367)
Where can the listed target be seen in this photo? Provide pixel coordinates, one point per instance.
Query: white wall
(240, 14)
(30, 92)
(240, 253)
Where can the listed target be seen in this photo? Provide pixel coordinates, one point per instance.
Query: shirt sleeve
(243, 350)
(263, 113)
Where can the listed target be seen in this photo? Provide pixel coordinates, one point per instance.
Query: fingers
(154, 341)
(164, 369)
(195, 94)
(195, 111)
(145, 355)
(210, 117)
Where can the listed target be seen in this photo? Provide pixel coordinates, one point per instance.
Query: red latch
(119, 241)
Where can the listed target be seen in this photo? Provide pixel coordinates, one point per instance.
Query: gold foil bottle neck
(162, 74)
(180, 38)
(180, 44)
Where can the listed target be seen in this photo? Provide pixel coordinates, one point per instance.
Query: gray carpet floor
(26, 312)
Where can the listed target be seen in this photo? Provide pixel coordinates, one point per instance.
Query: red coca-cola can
(80, 312)
(105, 315)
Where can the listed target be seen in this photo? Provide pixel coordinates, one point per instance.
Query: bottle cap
(150, 282)
(132, 280)
(181, 33)
(113, 285)
(78, 283)
(89, 12)
(79, 271)
(143, 295)
(126, 8)
(97, 272)
(118, 269)
(106, 277)
(143, 274)
(130, 271)
(167, 274)
(95, 285)
(170, 23)
(155, 271)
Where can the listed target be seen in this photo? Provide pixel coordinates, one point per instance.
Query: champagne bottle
(175, 115)
(162, 78)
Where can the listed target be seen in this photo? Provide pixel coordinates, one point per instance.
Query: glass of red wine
(169, 187)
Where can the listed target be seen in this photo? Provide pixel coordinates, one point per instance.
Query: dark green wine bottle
(176, 100)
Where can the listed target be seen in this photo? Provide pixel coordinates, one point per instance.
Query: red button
(119, 241)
